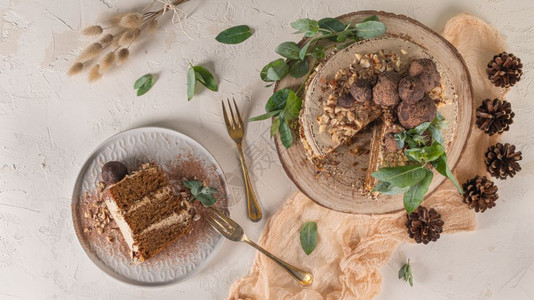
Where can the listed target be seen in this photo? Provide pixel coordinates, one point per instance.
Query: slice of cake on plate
(148, 214)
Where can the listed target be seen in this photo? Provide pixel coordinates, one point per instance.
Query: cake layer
(134, 187)
(161, 234)
(151, 209)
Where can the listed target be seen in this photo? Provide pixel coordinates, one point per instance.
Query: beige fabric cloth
(352, 248)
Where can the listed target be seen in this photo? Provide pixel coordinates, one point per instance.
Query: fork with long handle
(234, 232)
(236, 130)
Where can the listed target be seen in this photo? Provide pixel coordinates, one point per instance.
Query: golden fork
(232, 231)
(236, 130)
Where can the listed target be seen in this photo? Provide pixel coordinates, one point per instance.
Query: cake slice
(148, 214)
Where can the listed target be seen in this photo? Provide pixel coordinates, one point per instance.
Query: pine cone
(480, 193)
(504, 70)
(494, 116)
(502, 160)
(424, 225)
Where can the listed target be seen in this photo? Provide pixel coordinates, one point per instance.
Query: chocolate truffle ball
(411, 115)
(346, 101)
(427, 70)
(386, 91)
(390, 143)
(362, 90)
(113, 172)
(411, 89)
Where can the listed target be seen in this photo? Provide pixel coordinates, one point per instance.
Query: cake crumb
(196, 217)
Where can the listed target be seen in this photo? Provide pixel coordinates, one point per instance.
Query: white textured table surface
(49, 124)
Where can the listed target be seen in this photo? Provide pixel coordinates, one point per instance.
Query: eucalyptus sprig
(200, 192)
(295, 59)
(202, 75)
(405, 273)
(424, 148)
(284, 105)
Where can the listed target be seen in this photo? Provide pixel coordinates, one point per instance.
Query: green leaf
(405, 273)
(415, 195)
(341, 37)
(143, 84)
(285, 133)
(371, 18)
(206, 196)
(419, 129)
(142, 80)
(370, 29)
(299, 68)
(437, 135)
(331, 24)
(191, 81)
(318, 52)
(308, 237)
(292, 107)
(387, 188)
(234, 35)
(443, 168)
(304, 49)
(265, 116)
(193, 185)
(278, 100)
(275, 127)
(274, 70)
(401, 176)
(206, 78)
(306, 26)
(425, 154)
(400, 138)
(288, 50)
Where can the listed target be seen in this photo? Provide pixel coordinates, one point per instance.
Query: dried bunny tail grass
(152, 26)
(122, 56)
(107, 61)
(115, 19)
(94, 73)
(75, 69)
(129, 36)
(106, 39)
(93, 50)
(93, 30)
(131, 20)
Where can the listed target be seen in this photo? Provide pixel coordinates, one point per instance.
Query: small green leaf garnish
(274, 70)
(308, 237)
(202, 75)
(405, 273)
(370, 29)
(143, 84)
(284, 105)
(288, 50)
(424, 148)
(202, 193)
(307, 26)
(234, 35)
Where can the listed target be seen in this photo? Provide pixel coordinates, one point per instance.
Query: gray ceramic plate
(340, 191)
(181, 157)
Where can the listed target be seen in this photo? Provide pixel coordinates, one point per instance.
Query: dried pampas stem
(106, 39)
(132, 20)
(90, 52)
(75, 69)
(107, 61)
(122, 56)
(120, 32)
(94, 73)
(93, 30)
(129, 36)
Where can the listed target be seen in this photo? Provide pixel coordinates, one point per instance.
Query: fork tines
(234, 122)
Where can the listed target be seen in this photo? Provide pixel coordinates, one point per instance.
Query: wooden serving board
(340, 190)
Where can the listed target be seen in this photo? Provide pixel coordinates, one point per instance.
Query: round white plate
(180, 156)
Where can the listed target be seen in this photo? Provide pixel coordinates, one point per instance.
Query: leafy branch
(424, 148)
(200, 192)
(285, 106)
(405, 273)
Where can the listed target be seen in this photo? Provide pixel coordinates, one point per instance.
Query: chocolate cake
(148, 214)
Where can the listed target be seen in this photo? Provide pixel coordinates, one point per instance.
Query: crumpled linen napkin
(352, 248)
